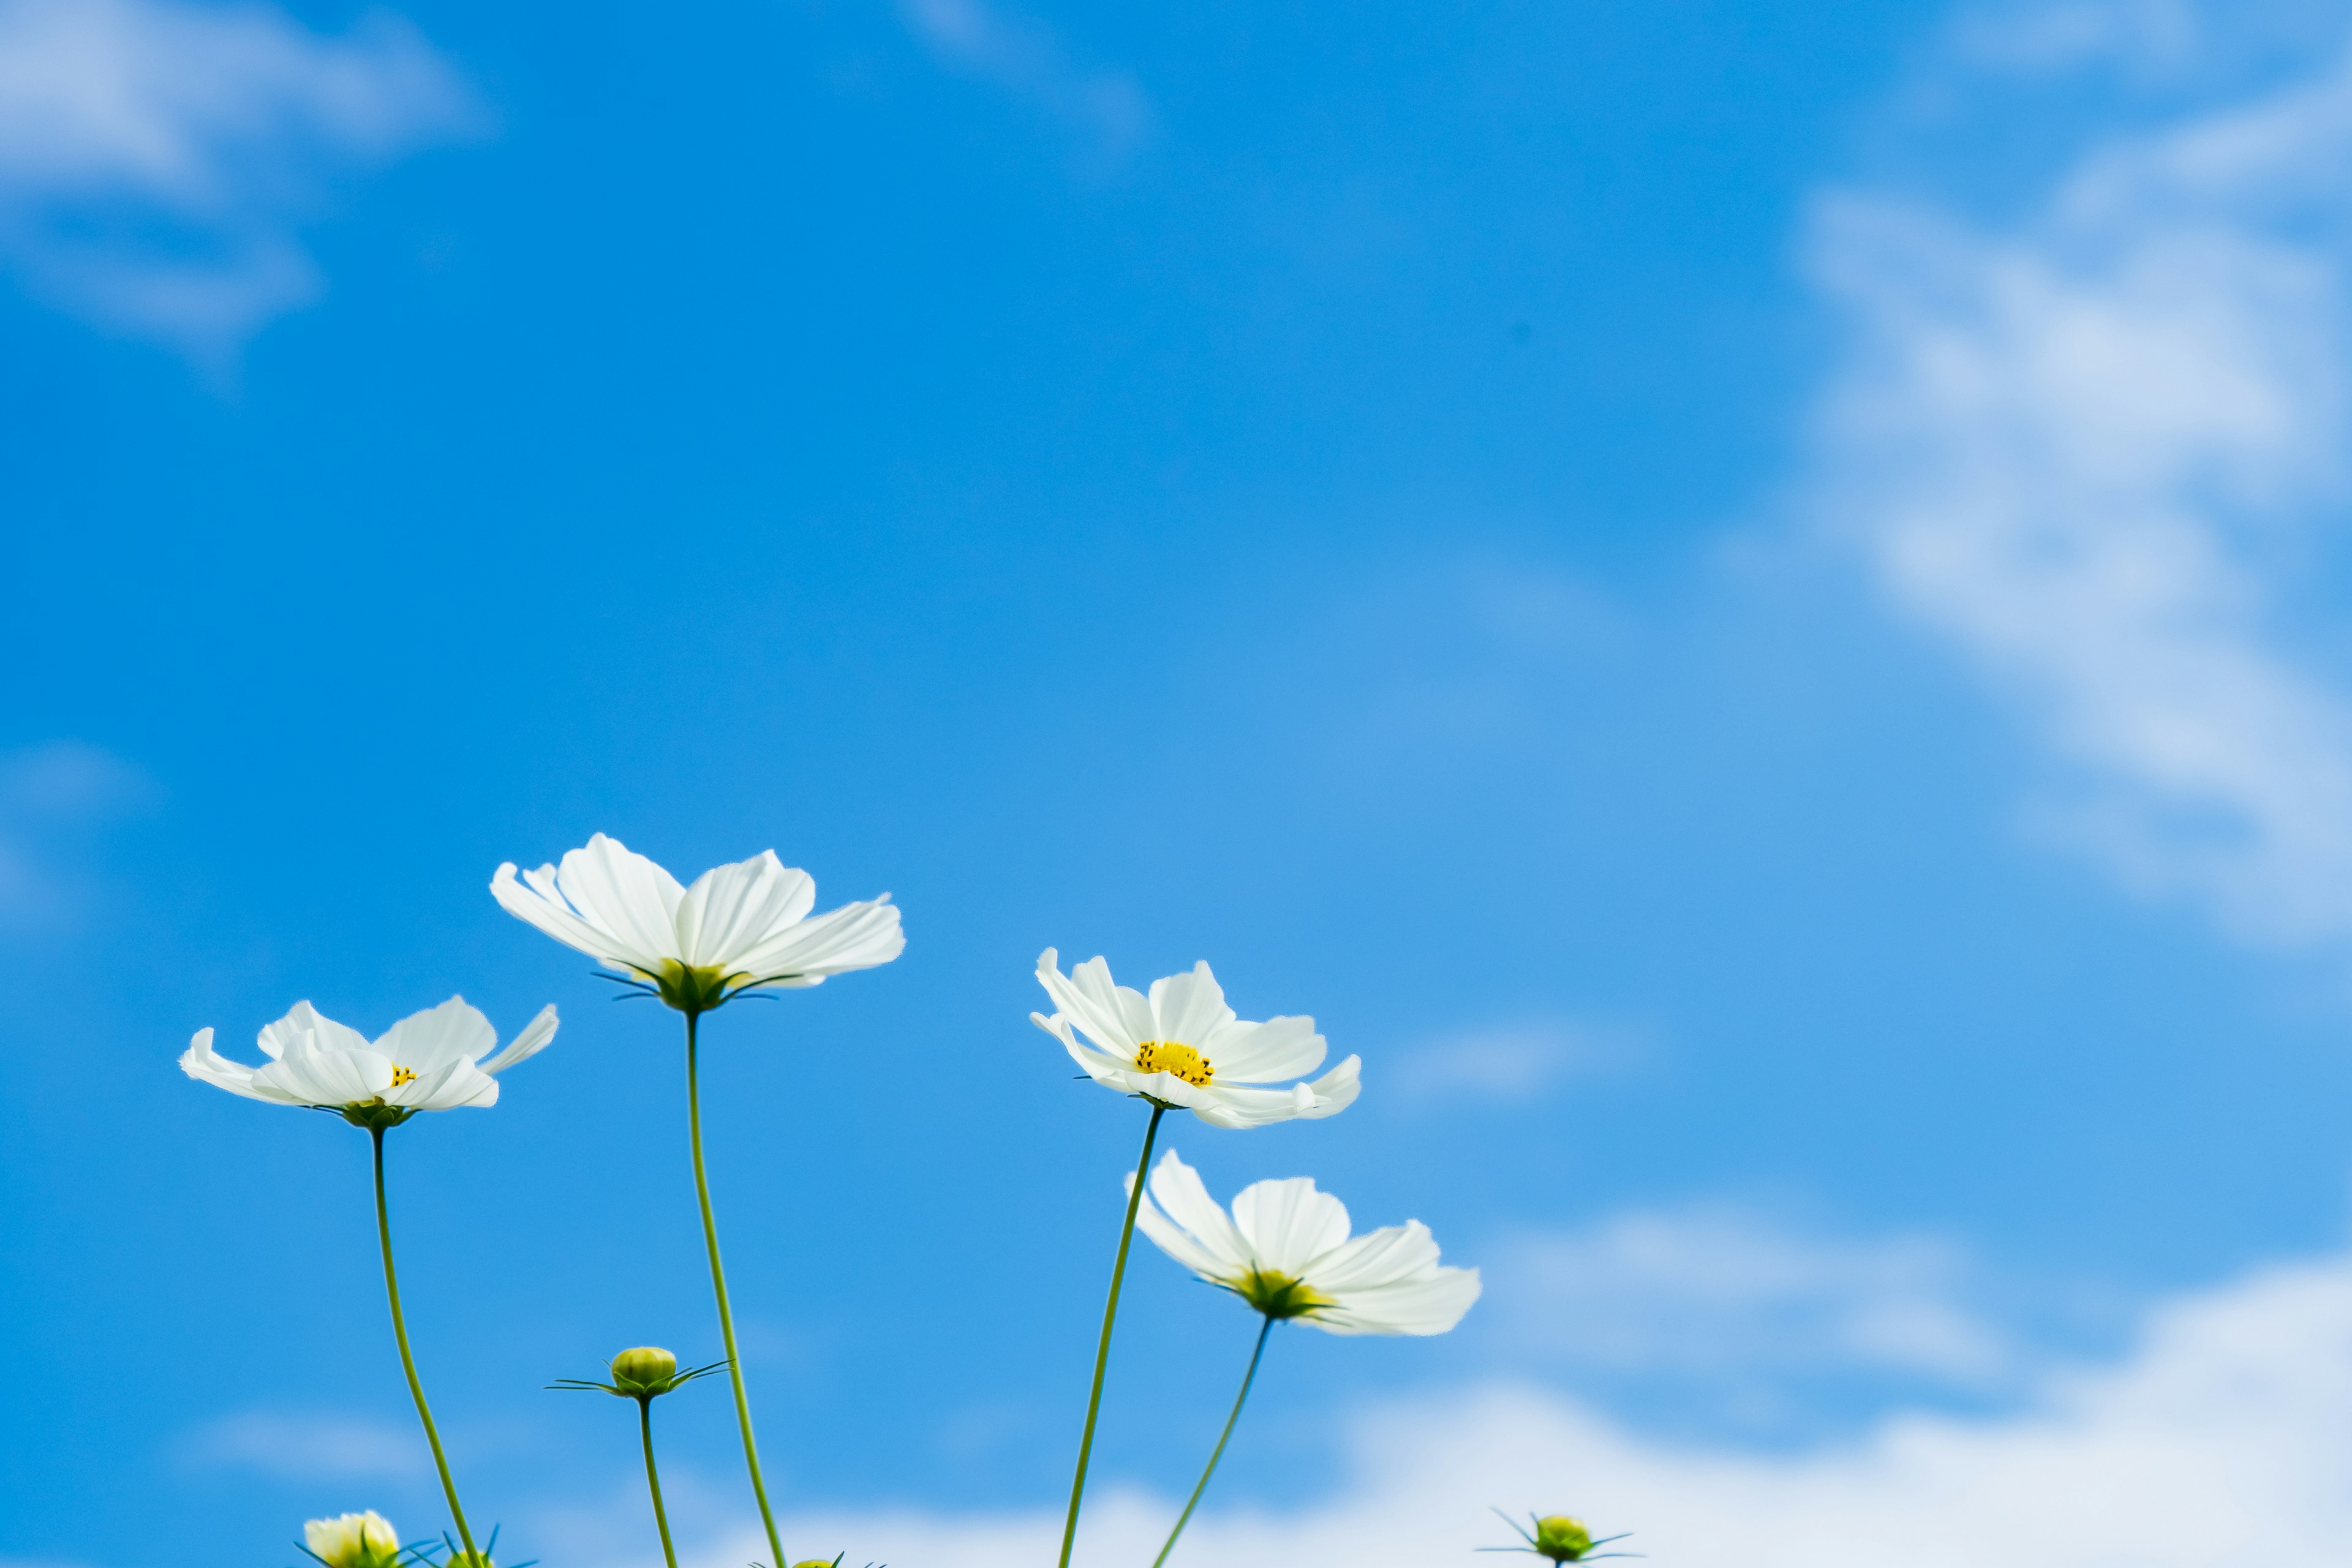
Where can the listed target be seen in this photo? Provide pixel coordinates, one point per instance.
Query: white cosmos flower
(738, 927)
(433, 1060)
(352, 1541)
(1285, 1249)
(1182, 1045)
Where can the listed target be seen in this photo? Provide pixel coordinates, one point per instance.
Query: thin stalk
(1110, 1315)
(1219, 1451)
(653, 1480)
(408, 1362)
(719, 1288)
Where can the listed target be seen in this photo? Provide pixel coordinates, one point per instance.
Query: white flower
(431, 1061)
(1285, 1250)
(1182, 1045)
(353, 1541)
(738, 927)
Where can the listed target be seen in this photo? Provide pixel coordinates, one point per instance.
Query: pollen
(1178, 1061)
(401, 1075)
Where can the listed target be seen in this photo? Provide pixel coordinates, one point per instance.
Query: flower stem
(1219, 1451)
(719, 1288)
(408, 1362)
(1110, 1315)
(653, 1480)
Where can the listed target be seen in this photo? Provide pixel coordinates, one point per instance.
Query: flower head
(1558, 1537)
(648, 1372)
(1181, 1046)
(352, 1541)
(433, 1060)
(1285, 1249)
(739, 928)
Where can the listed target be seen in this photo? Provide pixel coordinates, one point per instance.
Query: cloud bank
(157, 157)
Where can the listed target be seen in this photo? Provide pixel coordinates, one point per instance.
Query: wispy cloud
(157, 157)
(1021, 56)
(53, 798)
(302, 1446)
(2086, 446)
(2223, 1434)
(1510, 1061)
(1738, 1296)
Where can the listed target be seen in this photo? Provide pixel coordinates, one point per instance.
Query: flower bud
(1563, 1539)
(353, 1541)
(646, 1369)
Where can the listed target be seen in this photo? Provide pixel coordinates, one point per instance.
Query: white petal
(1388, 1256)
(1429, 1304)
(855, 936)
(460, 1083)
(534, 1038)
(1278, 1048)
(1089, 1000)
(312, 1077)
(732, 911)
(1179, 1203)
(306, 1022)
(536, 900)
(1189, 1008)
(1287, 1223)
(428, 1041)
(200, 1062)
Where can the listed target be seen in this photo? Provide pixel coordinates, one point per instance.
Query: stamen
(401, 1075)
(1176, 1060)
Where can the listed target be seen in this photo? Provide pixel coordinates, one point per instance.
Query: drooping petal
(534, 1038)
(306, 1022)
(733, 911)
(855, 936)
(311, 1076)
(1426, 1304)
(201, 1062)
(1180, 1205)
(1189, 1008)
(428, 1041)
(1265, 1053)
(1096, 1063)
(1088, 997)
(447, 1087)
(1287, 1223)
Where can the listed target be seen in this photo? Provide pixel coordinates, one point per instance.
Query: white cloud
(307, 1446)
(51, 796)
(1021, 56)
(2225, 1436)
(1739, 1296)
(156, 156)
(2085, 447)
(1508, 1061)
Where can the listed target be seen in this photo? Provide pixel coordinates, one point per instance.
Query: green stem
(408, 1362)
(719, 1288)
(1110, 1315)
(1219, 1451)
(653, 1480)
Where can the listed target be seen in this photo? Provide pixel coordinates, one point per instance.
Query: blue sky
(1745, 600)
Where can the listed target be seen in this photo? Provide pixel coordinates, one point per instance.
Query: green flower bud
(643, 1370)
(1563, 1539)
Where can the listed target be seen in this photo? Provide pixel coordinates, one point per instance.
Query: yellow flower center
(1278, 1295)
(401, 1075)
(1178, 1061)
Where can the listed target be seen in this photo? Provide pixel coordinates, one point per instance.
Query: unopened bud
(646, 1369)
(1563, 1539)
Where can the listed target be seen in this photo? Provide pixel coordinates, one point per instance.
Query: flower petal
(855, 936)
(311, 1076)
(1190, 1008)
(1088, 998)
(306, 1022)
(428, 1041)
(1429, 1304)
(1188, 1225)
(452, 1085)
(1279, 1048)
(733, 911)
(534, 1038)
(1287, 1223)
(1388, 1256)
(200, 1062)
